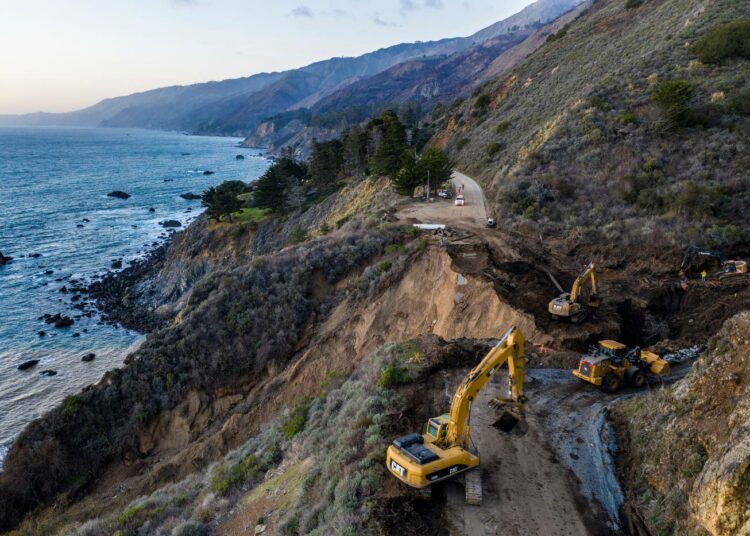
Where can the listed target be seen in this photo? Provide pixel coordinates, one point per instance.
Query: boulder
(170, 223)
(116, 264)
(26, 365)
(76, 334)
(240, 157)
(86, 220)
(88, 357)
(79, 225)
(190, 196)
(63, 322)
(42, 333)
(4, 260)
(207, 172)
(152, 209)
(119, 194)
(48, 373)
(34, 255)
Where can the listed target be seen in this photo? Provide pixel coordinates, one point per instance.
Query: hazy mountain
(237, 106)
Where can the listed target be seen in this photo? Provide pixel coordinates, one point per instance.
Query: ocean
(60, 226)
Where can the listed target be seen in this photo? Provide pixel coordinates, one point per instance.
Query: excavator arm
(509, 349)
(588, 273)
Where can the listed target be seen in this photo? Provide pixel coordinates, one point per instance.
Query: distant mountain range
(422, 71)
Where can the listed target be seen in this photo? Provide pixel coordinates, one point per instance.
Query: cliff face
(688, 463)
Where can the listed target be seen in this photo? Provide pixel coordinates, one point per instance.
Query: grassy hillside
(583, 134)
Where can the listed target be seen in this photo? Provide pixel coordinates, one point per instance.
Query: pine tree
(274, 189)
(354, 152)
(223, 200)
(390, 146)
(408, 177)
(437, 164)
(325, 164)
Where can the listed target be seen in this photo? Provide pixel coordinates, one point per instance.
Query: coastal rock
(79, 225)
(207, 172)
(26, 365)
(42, 333)
(116, 264)
(119, 194)
(4, 260)
(48, 373)
(190, 196)
(240, 157)
(168, 180)
(49, 272)
(63, 322)
(86, 220)
(152, 209)
(76, 334)
(170, 223)
(88, 357)
(34, 255)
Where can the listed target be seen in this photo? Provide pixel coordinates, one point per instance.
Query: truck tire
(635, 377)
(611, 383)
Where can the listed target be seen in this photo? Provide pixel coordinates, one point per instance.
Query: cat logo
(396, 468)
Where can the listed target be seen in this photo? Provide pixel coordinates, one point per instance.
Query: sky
(63, 55)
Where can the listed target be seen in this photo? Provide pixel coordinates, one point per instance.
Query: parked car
(460, 200)
(491, 223)
(445, 194)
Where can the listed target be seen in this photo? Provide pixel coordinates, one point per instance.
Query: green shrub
(390, 249)
(324, 228)
(599, 103)
(559, 35)
(632, 4)
(296, 421)
(740, 104)
(492, 149)
(502, 127)
(299, 235)
(290, 527)
(128, 515)
(384, 266)
(723, 42)
(225, 478)
(628, 117)
(724, 236)
(189, 528)
(393, 375)
(70, 406)
(483, 101)
(673, 97)
(696, 200)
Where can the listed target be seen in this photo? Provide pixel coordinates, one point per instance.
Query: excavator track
(473, 486)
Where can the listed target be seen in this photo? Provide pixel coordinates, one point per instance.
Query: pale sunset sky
(62, 55)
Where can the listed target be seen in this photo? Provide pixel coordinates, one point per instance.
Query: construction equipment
(570, 304)
(730, 269)
(443, 449)
(610, 365)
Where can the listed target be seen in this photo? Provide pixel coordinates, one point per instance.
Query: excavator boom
(569, 305)
(510, 349)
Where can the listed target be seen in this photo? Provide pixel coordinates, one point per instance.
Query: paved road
(472, 214)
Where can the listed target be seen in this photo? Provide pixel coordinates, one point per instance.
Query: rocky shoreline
(115, 294)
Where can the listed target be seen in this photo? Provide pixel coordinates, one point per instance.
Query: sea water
(51, 181)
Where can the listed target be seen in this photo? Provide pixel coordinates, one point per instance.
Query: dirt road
(472, 214)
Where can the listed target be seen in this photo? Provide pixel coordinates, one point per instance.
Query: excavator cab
(571, 305)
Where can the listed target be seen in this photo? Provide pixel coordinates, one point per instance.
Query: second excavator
(443, 449)
(571, 304)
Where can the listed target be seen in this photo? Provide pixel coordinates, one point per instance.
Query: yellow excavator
(443, 449)
(570, 304)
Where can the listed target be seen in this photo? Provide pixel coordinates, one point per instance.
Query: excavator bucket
(510, 416)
